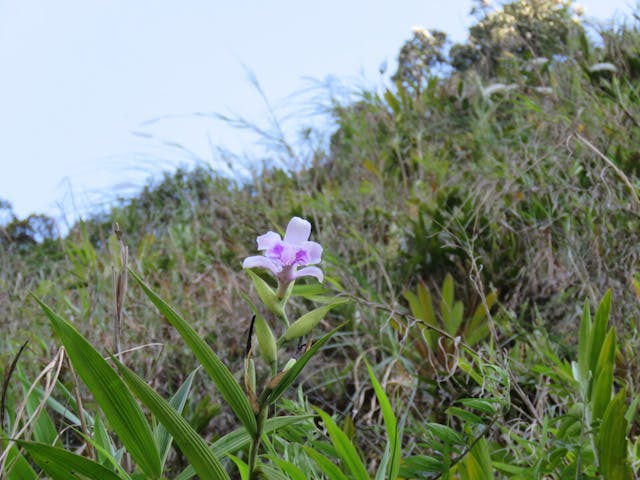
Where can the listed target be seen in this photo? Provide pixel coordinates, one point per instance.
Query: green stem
(256, 439)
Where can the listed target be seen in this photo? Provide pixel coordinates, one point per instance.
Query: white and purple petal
(309, 272)
(313, 251)
(288, 254)
(262, 262)
(298, 231)
(268, 240)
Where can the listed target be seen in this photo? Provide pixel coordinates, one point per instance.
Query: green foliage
(499, 178)
(116, 401)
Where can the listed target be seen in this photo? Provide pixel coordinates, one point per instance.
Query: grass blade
(390, 424)
(344, 448)
(177, 401)
(330, 469)
(603, 378)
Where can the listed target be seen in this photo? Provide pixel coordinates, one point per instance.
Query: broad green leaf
(266, 340)
(446, 434)
(290, 469)
(426, 302)
(243, 468)
(177, 401)
(309, 320)
(327, 467)
(266, 294)
(603, 378)
(612, 441)
(483, 404)
(465, 415)
(391, 425)
(344, 448)
(508, 468)
(478, 462)
(238, 439)
(414, 304)
(455, 318)
(283, 380)
(219, 373)
(17, 467)
(110, 392)
(446, 299)
(471, 369)
(193, 447)
(60, 464)
(421, 306)
(416, 466)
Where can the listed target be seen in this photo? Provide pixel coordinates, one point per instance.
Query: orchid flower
(283, 256)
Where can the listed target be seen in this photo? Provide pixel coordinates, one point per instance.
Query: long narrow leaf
(219, 373)
(603, 378)
(18, 467)
(234, 441)
(113, 396)
(612, 441)
(177, 401)
(347, 452)
(478, 462)
(60, 464)
(330, 469)
(391, 425)
(290, 469)
(192, 445)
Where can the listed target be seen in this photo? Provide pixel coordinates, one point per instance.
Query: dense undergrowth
(469, 210)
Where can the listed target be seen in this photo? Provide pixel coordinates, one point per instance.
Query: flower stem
(256, 440)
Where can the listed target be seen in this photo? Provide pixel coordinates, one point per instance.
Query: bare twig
(53, 367)
(5, 384)
(83, 422)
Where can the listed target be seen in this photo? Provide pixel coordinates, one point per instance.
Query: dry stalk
(83, 423)
(50, 373)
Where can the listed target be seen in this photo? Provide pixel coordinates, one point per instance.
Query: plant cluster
(467, 309)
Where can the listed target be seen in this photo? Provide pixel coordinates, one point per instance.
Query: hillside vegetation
(481, 214)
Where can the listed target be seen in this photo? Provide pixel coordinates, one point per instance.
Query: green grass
(530, 192)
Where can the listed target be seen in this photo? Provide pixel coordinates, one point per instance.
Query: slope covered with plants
(480, 224)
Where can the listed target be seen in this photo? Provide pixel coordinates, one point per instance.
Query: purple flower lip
(283, 257)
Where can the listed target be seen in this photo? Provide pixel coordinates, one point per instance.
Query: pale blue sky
(80, 76)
